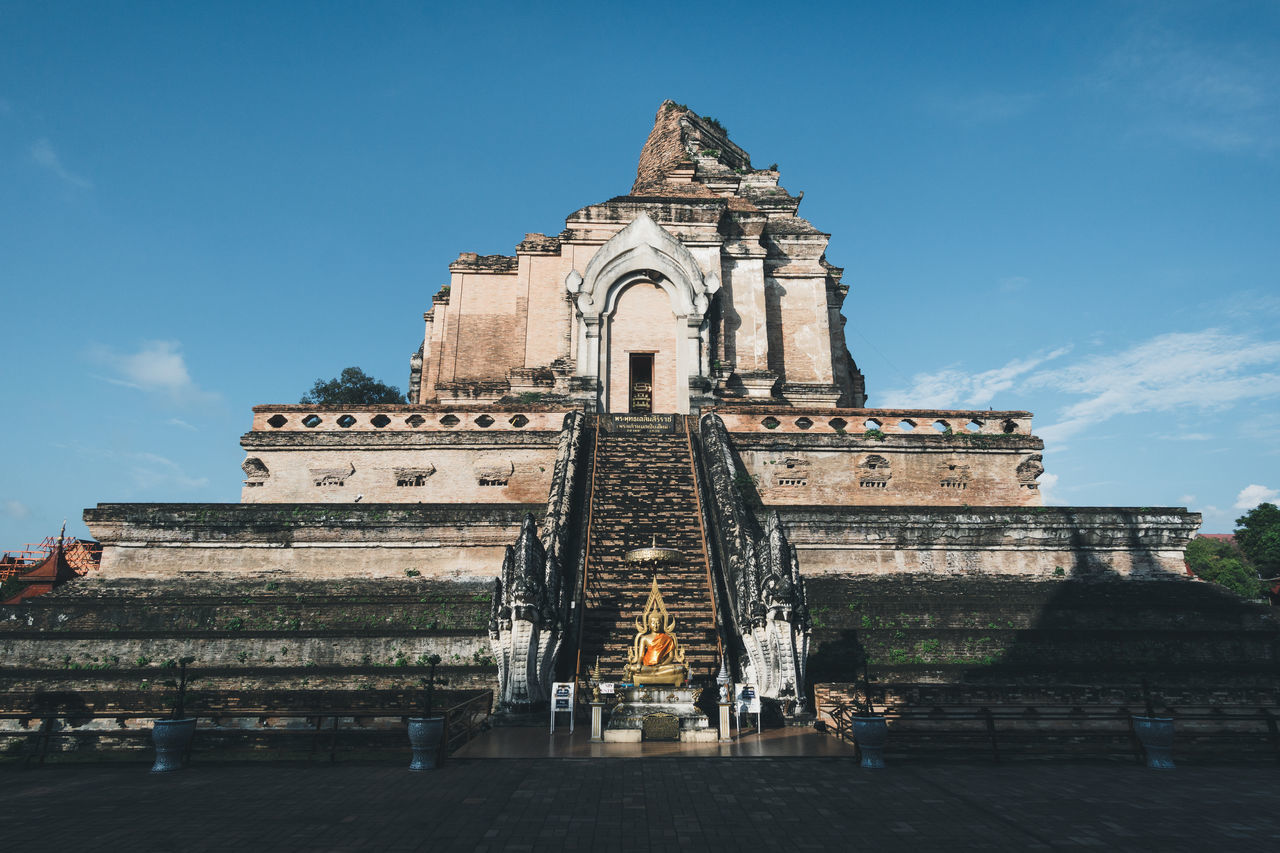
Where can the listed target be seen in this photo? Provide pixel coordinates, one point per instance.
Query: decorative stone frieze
(1029, 470)
(411, 477)
(874, 472)
(255, 471)
(493, 471)
(332, 477)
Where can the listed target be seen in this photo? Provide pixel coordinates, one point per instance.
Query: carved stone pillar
(696, 353)
(591, 357)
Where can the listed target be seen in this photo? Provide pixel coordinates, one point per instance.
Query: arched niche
(642, 253)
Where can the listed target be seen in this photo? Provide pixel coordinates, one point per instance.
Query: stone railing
(766, 605)
(531, 601)
(402, 419)
(918, 422)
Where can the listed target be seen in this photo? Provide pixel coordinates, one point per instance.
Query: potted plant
(1154, 733)
(870, 731)
(426, 732)
(172, 737)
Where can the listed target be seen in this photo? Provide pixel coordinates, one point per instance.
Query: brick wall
(643, 322)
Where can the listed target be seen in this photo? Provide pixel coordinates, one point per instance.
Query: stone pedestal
(666, 713)
(725, 736)
(757, 383)
(597, 722)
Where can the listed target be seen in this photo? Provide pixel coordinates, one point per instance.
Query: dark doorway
(641, 382)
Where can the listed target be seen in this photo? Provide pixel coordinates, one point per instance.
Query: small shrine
(656, 702)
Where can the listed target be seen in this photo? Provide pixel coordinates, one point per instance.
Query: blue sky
(1071, 208)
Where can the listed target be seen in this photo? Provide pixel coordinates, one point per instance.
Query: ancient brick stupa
(673, 365)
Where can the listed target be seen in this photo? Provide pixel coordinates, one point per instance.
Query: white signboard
(606, 687)
(746, 701)
(562, 702)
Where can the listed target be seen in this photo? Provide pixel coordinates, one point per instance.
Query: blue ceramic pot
(424, 736)
(1156, 736)
(870, 734)
(171, 737)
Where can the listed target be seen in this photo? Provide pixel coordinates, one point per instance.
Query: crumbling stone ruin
(669, 368)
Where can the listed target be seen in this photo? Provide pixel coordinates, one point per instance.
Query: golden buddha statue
(655, 656)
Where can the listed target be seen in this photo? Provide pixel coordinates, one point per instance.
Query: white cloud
(1249, 304)
(1179, 370)
(157, 367)
(1187, 500)
(1013, 283)
(151, 471)
(43, 155)
(1214, 520)
(1252, 495)
(1048, 489)
(179, 422)
(951, 388)
(15, 509)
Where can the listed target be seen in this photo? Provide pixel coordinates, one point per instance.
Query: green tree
(1258, 535)
(1222, 563)
(353, 388)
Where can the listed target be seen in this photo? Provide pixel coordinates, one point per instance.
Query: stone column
(591, 357)
(690, 360)
(704, 348)
(597, 722)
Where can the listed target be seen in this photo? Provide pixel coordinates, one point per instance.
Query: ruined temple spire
(682, 149)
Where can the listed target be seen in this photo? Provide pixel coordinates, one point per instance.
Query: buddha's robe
(659, 649)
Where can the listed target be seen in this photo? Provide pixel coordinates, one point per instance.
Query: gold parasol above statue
(655, 656)
(652, 556)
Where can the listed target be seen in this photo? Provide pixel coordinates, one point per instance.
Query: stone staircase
(643, 490)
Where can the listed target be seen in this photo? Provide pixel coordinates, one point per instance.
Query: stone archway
(640, 323)
(641, 254)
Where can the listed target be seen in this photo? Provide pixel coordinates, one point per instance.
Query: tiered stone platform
(284, 644)
(964, 642)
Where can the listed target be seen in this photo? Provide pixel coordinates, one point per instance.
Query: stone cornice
(1015, 528)
(471, 439)
(922, 443)
(280, 525)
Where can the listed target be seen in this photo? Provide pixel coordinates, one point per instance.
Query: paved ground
(640, 804)
(530, 742)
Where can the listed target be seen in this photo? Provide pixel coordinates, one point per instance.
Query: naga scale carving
(530, 608)
(767, 607)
